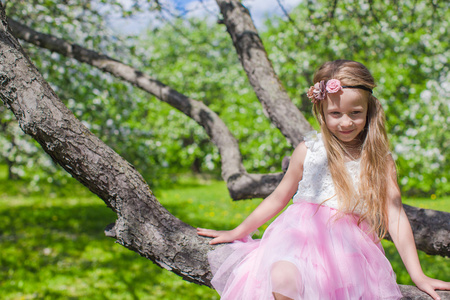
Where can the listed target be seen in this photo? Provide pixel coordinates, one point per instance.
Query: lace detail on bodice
(317, 185)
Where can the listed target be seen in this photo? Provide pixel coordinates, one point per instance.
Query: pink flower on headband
(333, 86)
(317, 92)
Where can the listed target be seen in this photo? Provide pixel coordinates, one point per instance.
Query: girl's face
(345, 113)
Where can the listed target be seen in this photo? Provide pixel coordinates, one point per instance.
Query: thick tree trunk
(142, 225)
(233, 171)
(431, 234)
(241, 184)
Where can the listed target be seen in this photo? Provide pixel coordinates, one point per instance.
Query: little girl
(326, 244)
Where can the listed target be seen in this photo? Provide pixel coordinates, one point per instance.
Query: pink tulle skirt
(306, 253)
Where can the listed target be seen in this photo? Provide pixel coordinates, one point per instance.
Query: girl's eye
(356, 112)
(335, 113)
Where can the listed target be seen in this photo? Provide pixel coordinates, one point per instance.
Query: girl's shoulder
(313, 140)
(300, 152)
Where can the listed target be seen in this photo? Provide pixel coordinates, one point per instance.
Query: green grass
(53, 246)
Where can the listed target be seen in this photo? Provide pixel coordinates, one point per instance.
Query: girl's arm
(402, 235)
(269, 207)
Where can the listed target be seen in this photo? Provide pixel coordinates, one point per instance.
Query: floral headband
(319, 91)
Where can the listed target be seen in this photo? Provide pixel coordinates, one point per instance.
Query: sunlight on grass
(53, 245)
(55, 248)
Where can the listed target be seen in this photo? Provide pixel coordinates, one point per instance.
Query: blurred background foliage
(404, 43)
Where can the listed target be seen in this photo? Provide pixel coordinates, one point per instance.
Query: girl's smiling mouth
(346, 131)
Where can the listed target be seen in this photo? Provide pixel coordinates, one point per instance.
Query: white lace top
(317, 185)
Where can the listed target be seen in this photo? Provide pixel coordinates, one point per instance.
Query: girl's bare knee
(285, 279)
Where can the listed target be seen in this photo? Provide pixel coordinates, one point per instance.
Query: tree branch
(413, 293)
(143, 225)
(268, 88)
(274, 98)
(431, 230)
(233, 171)
(241, 185)
(291, 21)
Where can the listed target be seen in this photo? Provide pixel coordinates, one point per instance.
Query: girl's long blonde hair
(371, 194)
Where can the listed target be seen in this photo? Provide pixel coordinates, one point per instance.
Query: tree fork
(266, 84)
(429, 237)
(143, 225)
(233, 171)
(430, 233)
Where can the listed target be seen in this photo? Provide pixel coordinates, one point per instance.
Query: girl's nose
(346, 121)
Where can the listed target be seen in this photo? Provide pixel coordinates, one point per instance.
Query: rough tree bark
(431, 234)
(142, 225)
(266, 84)
(241, 184)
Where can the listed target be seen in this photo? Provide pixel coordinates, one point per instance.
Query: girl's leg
(285, 279)
(278, 296)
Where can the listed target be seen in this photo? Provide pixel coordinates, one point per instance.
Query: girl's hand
(429, 285)
(220, 236)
